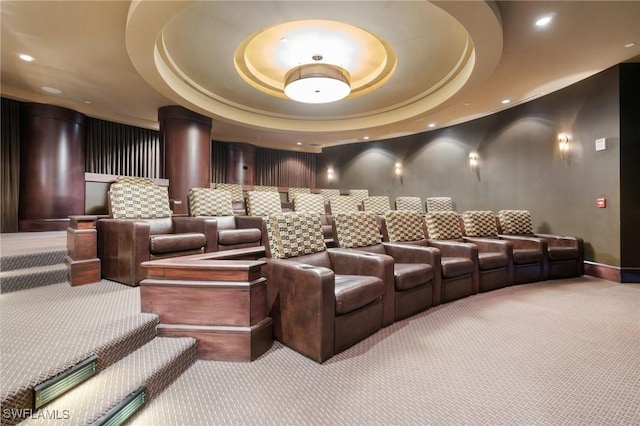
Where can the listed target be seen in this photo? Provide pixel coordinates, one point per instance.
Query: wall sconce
(330, 174)
(398, 169)
(563, 144)
(473, 160)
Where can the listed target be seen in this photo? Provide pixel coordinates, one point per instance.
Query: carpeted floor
(563, 352)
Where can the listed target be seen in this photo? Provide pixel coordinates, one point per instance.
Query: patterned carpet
(563, 352)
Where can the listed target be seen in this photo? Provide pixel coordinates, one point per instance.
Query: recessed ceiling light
(284, 39)
(432, 124)
(544, 21)
(506, 101)
(51, 90)
(87, 102)
(630, 44)
(366, 138)
(298, 143)
(25, 57)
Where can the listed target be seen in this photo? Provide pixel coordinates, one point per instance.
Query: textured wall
(520, 164)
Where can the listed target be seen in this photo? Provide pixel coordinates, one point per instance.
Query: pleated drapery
(118, 149)
(285, 168)
(10, 164)
(218, 161)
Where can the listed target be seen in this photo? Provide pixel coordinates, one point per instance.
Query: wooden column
(241, 163)
(187, 143)
(52, 156)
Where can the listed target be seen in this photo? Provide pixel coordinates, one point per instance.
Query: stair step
(28, 260)
(155, 365)
(37, 276)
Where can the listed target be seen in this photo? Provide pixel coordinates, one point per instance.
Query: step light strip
(125, 409)
(50, 389)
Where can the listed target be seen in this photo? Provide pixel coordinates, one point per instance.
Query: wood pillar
(52, 156)
(187, 143)
(241, 163)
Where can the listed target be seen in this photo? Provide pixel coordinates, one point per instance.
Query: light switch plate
(601, 144)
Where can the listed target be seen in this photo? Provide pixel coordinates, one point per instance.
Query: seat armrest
(455, 249)
(561, 241)
(355, 262)
(492, 244)
(247, 222)
(301, 302)
(525, 242)
(203, 225)
(403, 253)
(123, 244)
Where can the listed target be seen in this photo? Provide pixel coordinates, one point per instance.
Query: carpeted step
(32, 277)
(98, 319)
(30, 260)
(155, 366)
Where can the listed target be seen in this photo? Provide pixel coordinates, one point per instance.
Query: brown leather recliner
(321, 300)
(142, 228)
(233, 231)
(528, 252)
(495, 258)
(564, 256)
(458, 260)
(416, 269)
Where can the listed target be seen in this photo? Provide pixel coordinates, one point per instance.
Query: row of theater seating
(334, 279)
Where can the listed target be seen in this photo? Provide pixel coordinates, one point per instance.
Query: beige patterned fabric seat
(234, 232)
(439, 204)
(321, 300)
(564, 255)
(458, 261)
(142, 228)
(377, 205)
(528, 253)
(263, 203)
(293, 192)
(416, 269)
(314, 203)
(328, 194)
(494, 257)
(343, 204)
(237, 196)
(409, 203)
(359, 194)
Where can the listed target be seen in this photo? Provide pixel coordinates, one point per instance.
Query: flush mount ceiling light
(317, 83)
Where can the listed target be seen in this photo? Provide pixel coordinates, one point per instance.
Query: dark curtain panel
(218, 161)
(285, 168)
(10, 164)
(119, 149)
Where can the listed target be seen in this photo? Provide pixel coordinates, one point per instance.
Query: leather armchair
(528, 252)
(458, 261)
(141, 228)
(232, 231)
(416, 269)
(321, 300)
(564, 255)
(495, 258)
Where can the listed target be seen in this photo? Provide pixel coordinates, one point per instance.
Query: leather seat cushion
(492, 260)
(563, 253)
(355, 291)
(411, 275)
(169, 243)
(525, 257)
(453, 267)
(238, 236)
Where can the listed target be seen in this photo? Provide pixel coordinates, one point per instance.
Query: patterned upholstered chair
(564, 256)
(142, 228)
(413, 204)
(328, 194)
(293, 192)
(344, 204)
(359, 194)
(495, 258)
(439, 204)
(459, 261)
(321, 300)
(528, 253)
(233, 231)
(377, 205)
(416, 269)
(237, 196)
(314, 203)
(263, 203)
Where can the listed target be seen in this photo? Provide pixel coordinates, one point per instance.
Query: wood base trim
(604, 271)
(224, 343)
